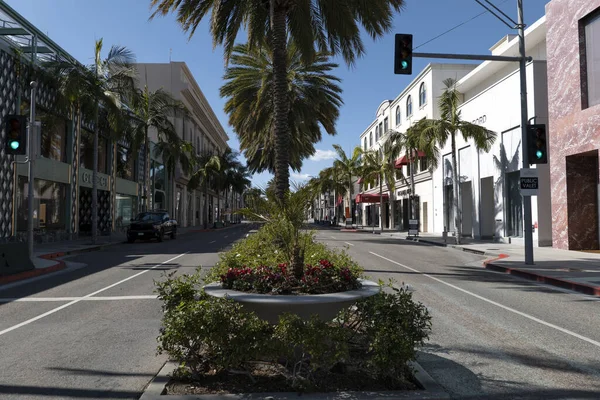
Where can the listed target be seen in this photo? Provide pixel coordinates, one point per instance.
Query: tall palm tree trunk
(231, 205)
(413, 204)
(205, 205)
(392, 204)
(281, 106)
(380, 204)
(95, 179)
(350, 200)
(146, 171)
(455, 200)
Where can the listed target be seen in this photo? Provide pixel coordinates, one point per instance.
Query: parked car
(152, 224)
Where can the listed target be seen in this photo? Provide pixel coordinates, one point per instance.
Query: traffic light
(536, 144)
(403, 54)
(16, 134)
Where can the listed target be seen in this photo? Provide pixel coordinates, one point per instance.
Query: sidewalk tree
(313, 26)
(104, 86)
(239, 182)
(174, 152)
(205, 169)
(314, 97)
(228, 163)
(349, 167)
(447, 127)
(153, 110)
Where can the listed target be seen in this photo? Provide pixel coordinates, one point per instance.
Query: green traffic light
(539, 154)
(14, 145)
(404, 64)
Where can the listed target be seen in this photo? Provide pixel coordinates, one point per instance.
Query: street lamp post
(30, 155)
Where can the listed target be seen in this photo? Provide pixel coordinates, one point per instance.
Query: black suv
(152, 224)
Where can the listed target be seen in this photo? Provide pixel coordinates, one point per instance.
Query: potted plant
(282, 269)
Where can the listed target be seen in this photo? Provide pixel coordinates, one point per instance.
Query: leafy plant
(322, 277)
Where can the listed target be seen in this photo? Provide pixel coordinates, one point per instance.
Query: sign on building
(413, 227)
(529, 182)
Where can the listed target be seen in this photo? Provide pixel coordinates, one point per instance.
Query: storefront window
(86, 152)
(125, 210)
(158, 186)
(53, 138)
(125, 163)
(49, 204)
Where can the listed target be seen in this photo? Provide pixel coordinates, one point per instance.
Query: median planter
(269, 307)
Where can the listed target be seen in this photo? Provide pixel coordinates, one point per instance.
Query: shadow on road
(45, 391)
(124, 256)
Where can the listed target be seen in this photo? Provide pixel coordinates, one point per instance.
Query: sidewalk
(48, 256)
(574, 270)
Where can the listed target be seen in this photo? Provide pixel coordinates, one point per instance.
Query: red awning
(404, 160)
(370, 198)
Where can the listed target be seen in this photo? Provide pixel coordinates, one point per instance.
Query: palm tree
(223, 179)
(314, 26)
(314, 96)
(239, 182)
(349, 168)
(449, 124)
(206, 168)
(105, 86)
(153, 109)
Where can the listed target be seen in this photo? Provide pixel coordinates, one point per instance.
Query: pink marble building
(573, 46)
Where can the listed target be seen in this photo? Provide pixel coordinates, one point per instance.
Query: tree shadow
(94, 372)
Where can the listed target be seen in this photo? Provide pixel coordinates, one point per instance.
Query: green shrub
(177, 291)
(203, 333)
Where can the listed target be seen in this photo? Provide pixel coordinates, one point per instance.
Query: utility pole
(524, 118)
(30, 155)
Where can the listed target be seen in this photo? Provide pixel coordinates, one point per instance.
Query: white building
(417, 101)
(203, 130)
(489, 192)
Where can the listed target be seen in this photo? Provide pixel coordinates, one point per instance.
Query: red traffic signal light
(403, 54)
(536, 144)
(16, 134)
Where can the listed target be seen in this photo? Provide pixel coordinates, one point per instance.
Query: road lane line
(12, 328)
(531, 317)
(349, 244)
(224, 237)
(333, 237)
(62, 299)
(213, 241)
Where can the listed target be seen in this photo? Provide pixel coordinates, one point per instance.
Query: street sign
(413, 227)
(529, 182)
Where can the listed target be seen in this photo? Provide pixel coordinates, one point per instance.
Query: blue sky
(76, 24)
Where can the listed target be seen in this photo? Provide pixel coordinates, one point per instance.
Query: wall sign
(85, 179)
(480, 121)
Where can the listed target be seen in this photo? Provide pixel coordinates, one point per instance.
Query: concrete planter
(270, 307)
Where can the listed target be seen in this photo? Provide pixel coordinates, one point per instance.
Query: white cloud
(322, 155)
(300, 177)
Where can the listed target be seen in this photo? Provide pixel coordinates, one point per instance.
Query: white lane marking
(225, 236)
(531, 317)
(59, 299)
(349, 244)
(213, 241)
(333, 237)
(54, 310)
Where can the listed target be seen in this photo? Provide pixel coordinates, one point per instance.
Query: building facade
(574, 126)
(202, 129)
(490, 197)
(418, 100)
(63, 150)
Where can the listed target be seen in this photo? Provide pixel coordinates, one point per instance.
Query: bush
(211, 334)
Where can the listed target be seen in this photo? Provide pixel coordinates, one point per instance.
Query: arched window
(398, 121)
(408, 106)
(365, 144)
(422, 95)
(376, 133)
(371, 139)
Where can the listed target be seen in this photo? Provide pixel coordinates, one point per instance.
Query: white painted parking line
(59, 299)
(530, 317)
(54, 310)
(213, 241)
(333, 237)
(349, 244)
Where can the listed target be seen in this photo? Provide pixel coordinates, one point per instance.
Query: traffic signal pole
(30, 155)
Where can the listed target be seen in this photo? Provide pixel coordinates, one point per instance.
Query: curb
(561, 283)
(431, 390)
(60, 265)
(454, 246)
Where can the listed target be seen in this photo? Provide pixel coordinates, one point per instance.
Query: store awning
(370, 198)
(404, 160)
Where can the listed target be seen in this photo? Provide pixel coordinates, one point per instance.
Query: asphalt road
(90, 331)
(494, 336)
